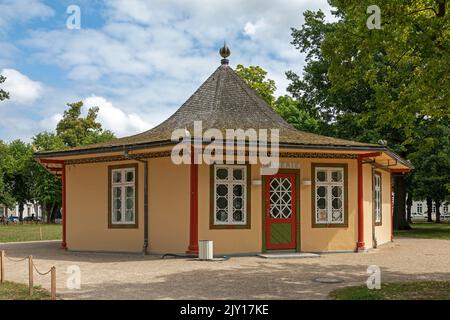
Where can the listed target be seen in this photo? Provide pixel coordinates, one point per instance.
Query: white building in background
(419, 210)
(29, 210)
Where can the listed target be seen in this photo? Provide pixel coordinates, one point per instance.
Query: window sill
(229, 226)
(123, 226)
(331, 225)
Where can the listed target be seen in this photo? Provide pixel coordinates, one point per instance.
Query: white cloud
(176, 39)
(148, 57)
(49, 124)
(22, 90)
(22, 11)
(250, 29)
(115, 119)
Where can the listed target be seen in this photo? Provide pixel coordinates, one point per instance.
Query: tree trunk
(429, 209)
(48, 211)
(21, 211)
(408, 208)
(400, 222)
(55, 209)
(438, 212)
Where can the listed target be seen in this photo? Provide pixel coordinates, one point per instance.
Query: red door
(281, 211)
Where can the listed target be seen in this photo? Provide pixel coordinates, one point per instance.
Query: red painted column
(193, 231)
(64, 212)
(360, 245)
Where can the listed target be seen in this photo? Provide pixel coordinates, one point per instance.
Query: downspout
(145, 246)
(145, 162)
(193, 208)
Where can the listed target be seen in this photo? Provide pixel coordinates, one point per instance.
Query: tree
(48, 141)
(72, 131)
(17, 167)
(3, 94)
(256, 79)
(6, 198)
(296, 114)
(293, 111)
(46, 187)
(75, 130)
(376, 84)
(431, 159)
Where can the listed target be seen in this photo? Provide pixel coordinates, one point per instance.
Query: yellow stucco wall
(168, 206)
(327, 239)
(383, 232)
(312, 239)
(87, 206)
(87, 211)
(230, 240)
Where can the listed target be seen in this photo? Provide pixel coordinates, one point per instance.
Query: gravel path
(127, 276)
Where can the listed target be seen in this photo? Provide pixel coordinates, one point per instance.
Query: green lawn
(426, 231)
(29, 232)
(18, 291)
(420, 290)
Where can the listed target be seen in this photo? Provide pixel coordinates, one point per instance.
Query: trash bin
(205, 249)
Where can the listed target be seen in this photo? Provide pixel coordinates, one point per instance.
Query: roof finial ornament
(224, 53)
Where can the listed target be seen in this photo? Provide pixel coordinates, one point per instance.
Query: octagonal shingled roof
(224, 101)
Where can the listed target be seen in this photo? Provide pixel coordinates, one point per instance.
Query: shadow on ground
(133, 276)
(281, 281)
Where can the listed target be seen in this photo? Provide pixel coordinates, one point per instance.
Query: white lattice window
(123, 196)
(230, 190)
(329, 195)
(377, 197)
(280, 193)
(419, 208)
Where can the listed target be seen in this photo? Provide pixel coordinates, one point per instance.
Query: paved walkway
(123, 276)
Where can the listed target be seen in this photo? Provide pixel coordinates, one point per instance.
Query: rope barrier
(15, 260)
(31, 266)
(41, 273)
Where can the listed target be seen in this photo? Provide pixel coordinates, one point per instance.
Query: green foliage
(46, 187)
(389, 84)
(296, 114)
(293, 111)
(22, 179)
(17, 161)
(377, 81)
(256, 79)
(431, 159)
(47, 141)
(3, 94)
(75, 130)
(5, 197)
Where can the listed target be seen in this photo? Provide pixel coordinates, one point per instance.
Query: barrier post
(2, 266)
(30, 274)
(53, 283)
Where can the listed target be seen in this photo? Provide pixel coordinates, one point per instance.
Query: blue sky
(137, 60)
